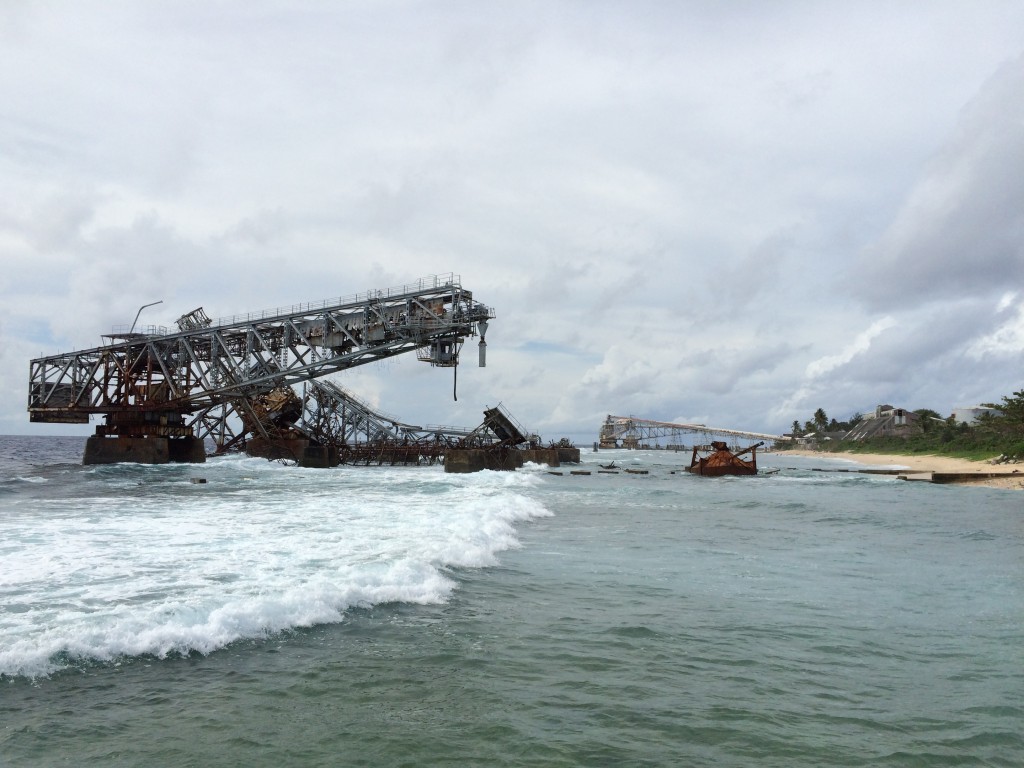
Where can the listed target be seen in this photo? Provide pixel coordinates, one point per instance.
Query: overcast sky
(732, 213)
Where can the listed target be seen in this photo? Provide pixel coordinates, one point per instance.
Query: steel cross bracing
(146, 383)
(331, 415)
(632, 430)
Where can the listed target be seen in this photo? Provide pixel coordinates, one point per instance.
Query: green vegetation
(993, 434)
(822, 423)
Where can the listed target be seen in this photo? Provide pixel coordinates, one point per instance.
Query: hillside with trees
(1000, 433)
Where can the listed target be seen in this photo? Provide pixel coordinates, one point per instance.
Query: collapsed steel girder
(331, 415)
(498, 428)
(147, 384)
(335, 418)
(326, 414)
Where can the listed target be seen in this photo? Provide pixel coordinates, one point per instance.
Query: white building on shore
(969, 414)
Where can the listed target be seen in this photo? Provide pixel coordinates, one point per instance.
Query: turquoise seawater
(275, 616)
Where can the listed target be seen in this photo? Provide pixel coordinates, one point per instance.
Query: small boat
(718, 460)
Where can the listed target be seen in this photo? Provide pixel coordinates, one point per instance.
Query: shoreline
(1013, 475)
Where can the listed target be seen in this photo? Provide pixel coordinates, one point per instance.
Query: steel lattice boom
(146, 384)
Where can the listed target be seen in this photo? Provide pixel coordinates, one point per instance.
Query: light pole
(152, 304)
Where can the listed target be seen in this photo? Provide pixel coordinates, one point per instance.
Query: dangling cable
(455, 381)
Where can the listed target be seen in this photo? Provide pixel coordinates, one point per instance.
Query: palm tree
(820, 420)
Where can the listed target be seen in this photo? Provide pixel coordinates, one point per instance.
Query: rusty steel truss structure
(360, 434)
(333, 415)
(233, 378)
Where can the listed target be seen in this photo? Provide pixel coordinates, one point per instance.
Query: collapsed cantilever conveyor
(172, 390)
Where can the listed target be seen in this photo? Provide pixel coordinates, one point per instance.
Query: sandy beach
(1011, 475)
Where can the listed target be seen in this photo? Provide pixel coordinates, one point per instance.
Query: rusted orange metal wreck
(721, 461)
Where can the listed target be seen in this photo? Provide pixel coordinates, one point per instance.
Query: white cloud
(858, 346)
(961, 230)
(1006, 340)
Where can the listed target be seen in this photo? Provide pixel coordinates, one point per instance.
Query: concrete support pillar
(476, 459)
(317, 456)
(186, 450)
(291, 449)
(569, 455)
(547, 456)
(143, 450)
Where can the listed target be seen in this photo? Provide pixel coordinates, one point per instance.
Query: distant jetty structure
(635, 432)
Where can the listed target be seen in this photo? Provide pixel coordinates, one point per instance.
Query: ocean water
(278, 616)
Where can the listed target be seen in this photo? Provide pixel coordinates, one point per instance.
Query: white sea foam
(148, 563)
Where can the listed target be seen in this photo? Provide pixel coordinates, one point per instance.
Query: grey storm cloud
(961, 230)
